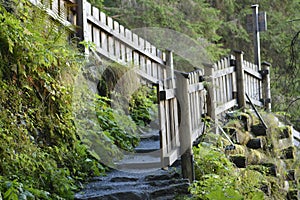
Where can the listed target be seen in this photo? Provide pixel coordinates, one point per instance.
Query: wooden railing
(184, 98)
(64, 11)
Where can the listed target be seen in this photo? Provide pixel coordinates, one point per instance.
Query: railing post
(82, 22)
(185, 128)
(211, 95)
(266, 85)
(170, 68)
(240, 79)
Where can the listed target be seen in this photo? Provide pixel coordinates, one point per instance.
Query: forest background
(223, 24)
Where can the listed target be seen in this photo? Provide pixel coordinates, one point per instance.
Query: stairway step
(119, 185)
(139, 161)
(152, 134)
(148, 146)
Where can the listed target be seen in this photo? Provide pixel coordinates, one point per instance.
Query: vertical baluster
(117, 42)
(104, 39)
(128, 35)
(122, 46)
(135, 40)
(111, 45)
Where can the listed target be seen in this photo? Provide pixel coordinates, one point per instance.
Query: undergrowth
(217, 178)
(41, 156)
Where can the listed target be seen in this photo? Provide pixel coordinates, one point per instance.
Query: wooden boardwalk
(184, 98)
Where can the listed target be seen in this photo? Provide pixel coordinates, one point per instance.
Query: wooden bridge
(184, 98)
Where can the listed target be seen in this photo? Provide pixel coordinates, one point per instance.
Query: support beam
(240, 79)
(266, 86)
(185, 128)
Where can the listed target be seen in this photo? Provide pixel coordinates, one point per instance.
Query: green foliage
(187, 17)
(40, 154)
(216, 177)
(97, 3)
(214, 174)
(142, 106)
(213, 186)
(211, 160)
(223, 23)
(116, 125)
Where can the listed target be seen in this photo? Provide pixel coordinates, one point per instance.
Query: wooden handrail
(183, 97)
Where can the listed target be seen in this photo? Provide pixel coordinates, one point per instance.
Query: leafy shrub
(40, 154)
(142, 106)
(216, 177)
(116, 125)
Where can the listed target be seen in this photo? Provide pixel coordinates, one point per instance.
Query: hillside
(50, 147)
(262, 163)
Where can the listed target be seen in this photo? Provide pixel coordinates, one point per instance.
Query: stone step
(140, 161)
(147, 145)
(152, 134)
(157, 185)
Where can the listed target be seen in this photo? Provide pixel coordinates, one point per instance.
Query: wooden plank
(251, 72)
(256, 102)
(129, 43)
(198, 132)
(141, 43)
(88, 8)
(102, 18)
(154, 70)
(95, 13)
(135, 40)
(231, 85)
(111, 45)
(199, 110)
(147, 77)
(185, 129)
(117, 43)
(104, 41)
(53, 15)
(216, 83)
(219, 79)
(63, 10)
(103, 34)
(90, 33)
(168, 93)
(148, 61)
(253, 88)
(196, 79)
(229, 88)
(129, 56)
(176, 123)
(122, 46)
(172, 124)
(224, 91)
(192, 110)
(163, 142)
(211, 103)
(226, 106)
(240, 76)
(172, 156)
(96, 36)
(168, 128)
(191, 101)
(55, 7)
(153, 50)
